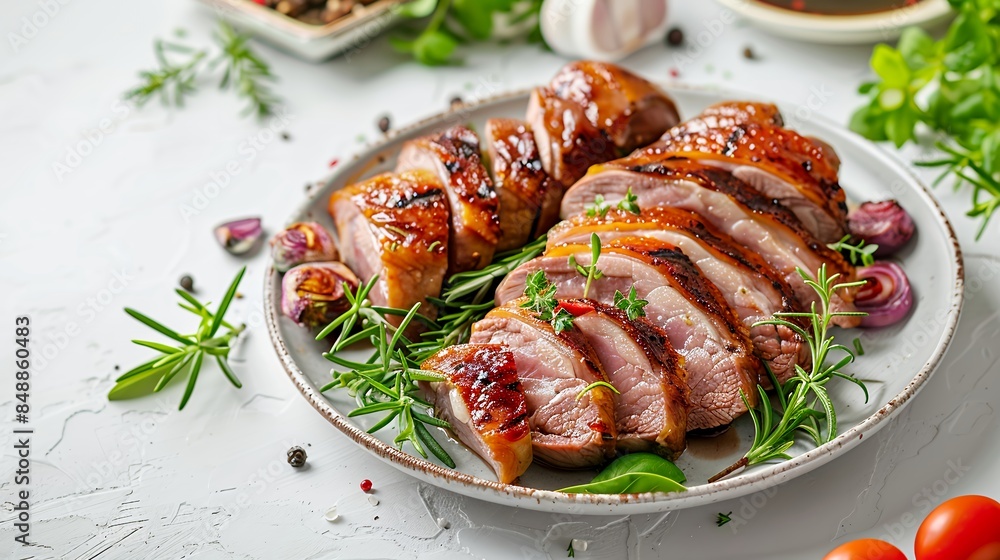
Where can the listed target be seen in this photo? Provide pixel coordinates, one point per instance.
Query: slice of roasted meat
(780, 163)
(652, 406)
(554, 368)
(632, 111)
(750, 286)
(395, 226)
(483, 401)
(568, 143)
(529, 199)
(717, 351)
(475, 226)
(733, 207)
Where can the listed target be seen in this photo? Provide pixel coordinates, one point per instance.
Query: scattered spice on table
(366, 485)
(675, 37)
(384, 123)
(187, 283)
(297, 457)
(749, 54)
(456, 102)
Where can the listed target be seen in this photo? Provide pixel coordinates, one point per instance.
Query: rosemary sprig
(245, 71)
(387, 380)
(861, 252)
(591, 271)
(188, 356)
(172, 80)
(775, 429)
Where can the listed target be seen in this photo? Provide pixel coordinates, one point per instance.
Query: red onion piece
(883, 223)
(239, 236)
(886, 297)
(312, 294)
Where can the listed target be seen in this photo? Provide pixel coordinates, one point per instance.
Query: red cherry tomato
(963, 528)
(865, 549)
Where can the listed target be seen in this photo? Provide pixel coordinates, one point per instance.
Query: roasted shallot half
(886, 295)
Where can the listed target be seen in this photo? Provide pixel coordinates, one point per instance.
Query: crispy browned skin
(731, 113)
(568, 143)
(454, 156)
(666, 217)
(395, 226)
(718, 180)
(495, 420)
(632, 111)
(780, 151)
(529, 199)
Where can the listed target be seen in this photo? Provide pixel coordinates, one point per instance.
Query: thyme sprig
(775, 429)
(632, 305)
(591, 272)
(188, 355)
(540, 298)
(858, 252)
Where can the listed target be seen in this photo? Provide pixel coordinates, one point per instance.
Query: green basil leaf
(629, 483)
(889, 64)
(642, 463)
(434, 48)
(475, 17)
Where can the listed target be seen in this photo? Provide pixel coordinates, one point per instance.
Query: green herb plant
(633, 474)
(951, 86)
(180, 65)
(861, 252)
(804, 403)
(452, 22)
(188, 351)
(632, 305)
(591, 272)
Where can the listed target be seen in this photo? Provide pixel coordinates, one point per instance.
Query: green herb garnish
(595, 385)
(633, 474)
(597, 208)
(591, 271)
(187, 356)
(245, 72)
(952, 86)
(570, 553)
(630, 203)
(631, 304)
(723, 518)
(455, 21)
(775, 429)
(860, 252)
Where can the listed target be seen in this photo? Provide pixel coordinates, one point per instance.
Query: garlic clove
(239, 236)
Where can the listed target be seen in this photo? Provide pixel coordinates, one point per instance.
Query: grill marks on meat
(553, 369)
(395, 226)
(753, 289)
(484, 403)
(780, 163)
(700, 326)
(631, 110)
(475, 225)
(529, 199)
(652, 407)
(733, 207)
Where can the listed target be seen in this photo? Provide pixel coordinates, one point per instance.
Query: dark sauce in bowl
(840, 7)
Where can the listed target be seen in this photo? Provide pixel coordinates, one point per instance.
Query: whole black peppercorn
(297, 457)
(187, 283)
(384, 124)
(675, 37)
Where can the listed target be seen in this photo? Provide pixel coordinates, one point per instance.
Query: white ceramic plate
(862, 28)
(898, 360)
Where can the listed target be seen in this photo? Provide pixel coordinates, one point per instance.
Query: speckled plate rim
(755, 480)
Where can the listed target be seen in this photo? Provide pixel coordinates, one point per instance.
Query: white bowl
(855, 29)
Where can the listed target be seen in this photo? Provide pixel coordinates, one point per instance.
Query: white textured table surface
(118, 225)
